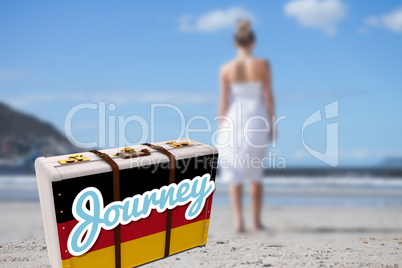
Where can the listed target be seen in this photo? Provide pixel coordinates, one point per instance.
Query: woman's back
(245, 69)
(245, 79)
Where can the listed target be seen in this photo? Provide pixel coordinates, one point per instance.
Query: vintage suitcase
(126, 207)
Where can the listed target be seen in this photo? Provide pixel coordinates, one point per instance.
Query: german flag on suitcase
(123, 208)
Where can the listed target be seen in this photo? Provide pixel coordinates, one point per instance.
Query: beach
(295, 237)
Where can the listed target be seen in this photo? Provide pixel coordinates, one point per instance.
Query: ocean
(373, 192)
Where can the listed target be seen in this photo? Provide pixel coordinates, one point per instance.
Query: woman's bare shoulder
(262, 62)
(226, 67)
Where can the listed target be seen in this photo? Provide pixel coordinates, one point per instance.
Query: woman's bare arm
(224, 98)
(269, 98)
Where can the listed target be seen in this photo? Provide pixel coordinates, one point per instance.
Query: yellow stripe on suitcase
(144, 249)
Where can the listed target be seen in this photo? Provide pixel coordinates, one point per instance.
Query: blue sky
(55, 55)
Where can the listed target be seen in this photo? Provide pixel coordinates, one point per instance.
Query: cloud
(6, 75)
(363, 31)
(323, 15)
(391, 21)
(215, 20)
(123, 97)
(297, 96)
(117, 97)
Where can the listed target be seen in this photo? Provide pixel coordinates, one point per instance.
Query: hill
(24, 137)
(21, 125)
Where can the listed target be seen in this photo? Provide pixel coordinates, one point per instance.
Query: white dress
(243, 136)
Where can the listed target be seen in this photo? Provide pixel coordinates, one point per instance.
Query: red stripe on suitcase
(154, 223)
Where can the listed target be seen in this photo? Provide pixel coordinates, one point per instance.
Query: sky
(129, 56)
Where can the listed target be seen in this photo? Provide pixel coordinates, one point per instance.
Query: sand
(296, 237)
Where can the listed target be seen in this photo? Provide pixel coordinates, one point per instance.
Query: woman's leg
(236, 194)
(256, 197)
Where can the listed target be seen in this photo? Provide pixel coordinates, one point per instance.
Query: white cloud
(123, 97)
(298, 96)
(6, 75)
(117, 97)
(363, 31)
(323, 15)
(215, 20)
(391, 21)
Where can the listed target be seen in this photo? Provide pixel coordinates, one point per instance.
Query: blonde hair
(244, 36)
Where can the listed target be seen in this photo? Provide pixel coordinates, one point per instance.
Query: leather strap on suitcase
(116, 197)
(172, 168)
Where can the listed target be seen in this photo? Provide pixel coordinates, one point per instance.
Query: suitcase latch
(178, 144)
(74, 158)
(128, 152)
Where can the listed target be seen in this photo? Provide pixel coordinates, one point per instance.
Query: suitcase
(126, 207)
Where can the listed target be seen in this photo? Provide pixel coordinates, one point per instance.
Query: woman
(246, 104)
